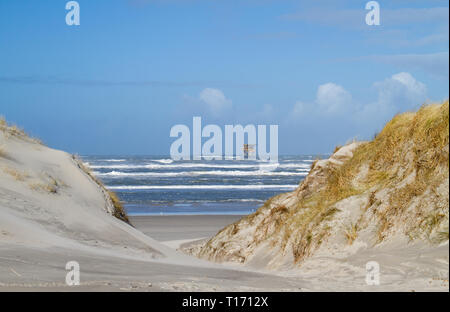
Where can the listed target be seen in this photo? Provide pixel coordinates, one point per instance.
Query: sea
(158, 185)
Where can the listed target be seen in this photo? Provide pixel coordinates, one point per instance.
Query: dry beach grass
(385, 200)
(382, 191)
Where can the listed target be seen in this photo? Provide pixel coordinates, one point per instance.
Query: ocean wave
(201, 187)
(200, 201)
(199, 173)
(202, 165)
(163, 161)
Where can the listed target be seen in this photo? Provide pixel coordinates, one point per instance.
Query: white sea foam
(163, 161)
(201, 165)
(198, 173)
(201, 187)
(209, 201)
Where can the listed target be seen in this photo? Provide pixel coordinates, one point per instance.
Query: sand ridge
(52, 212)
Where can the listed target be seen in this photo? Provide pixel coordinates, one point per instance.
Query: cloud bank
(335, 108)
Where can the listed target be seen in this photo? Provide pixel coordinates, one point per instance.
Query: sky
(132, 69)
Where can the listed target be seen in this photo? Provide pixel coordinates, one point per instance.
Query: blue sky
(117, 83)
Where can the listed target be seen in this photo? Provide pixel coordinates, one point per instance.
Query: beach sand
(184, 228)
(24, 268)
(52, 212)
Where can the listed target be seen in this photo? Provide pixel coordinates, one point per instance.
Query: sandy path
(30, 269)
(182, 227)
(44, 224)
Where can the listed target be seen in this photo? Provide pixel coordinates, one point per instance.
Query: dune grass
(410, 144)
(3, 123)
(16, 174)
(119, 211)
(11, 130)
(52, 185)
(46, 187)
(351, 233)
(3, 153)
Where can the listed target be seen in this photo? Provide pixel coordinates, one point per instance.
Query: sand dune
(386, 201)
(52, 212)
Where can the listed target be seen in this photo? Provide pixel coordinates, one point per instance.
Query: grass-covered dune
(390, 191)
(54, 211)
(49, 199)
(43, 181)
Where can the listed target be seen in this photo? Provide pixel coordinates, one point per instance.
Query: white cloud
(215, 101)
(348, 117)
(332, 98)
(398, 93)
(401, 90)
